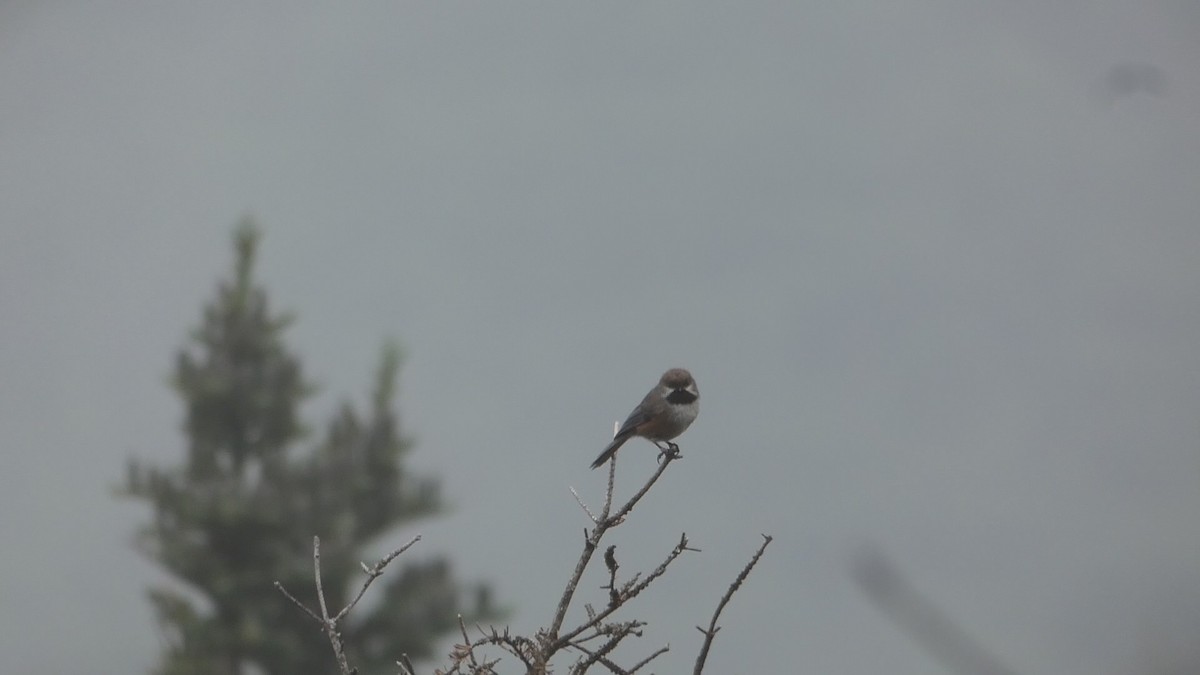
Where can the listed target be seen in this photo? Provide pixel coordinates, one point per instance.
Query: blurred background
(934, 265)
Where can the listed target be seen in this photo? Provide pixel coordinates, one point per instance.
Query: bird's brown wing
(637, 418)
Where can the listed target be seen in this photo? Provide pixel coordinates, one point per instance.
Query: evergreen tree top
(240, 512)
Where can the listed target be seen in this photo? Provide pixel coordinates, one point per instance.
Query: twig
(612, 484)
(637, 497)
(374, 572)
(299, 604)
(598, 656)
(626, 595)
(616, 633)
(661, 650)
(329, 625)
(462, 627)
(521, 647)
(583, 506)
(711, 633)
(317, 574)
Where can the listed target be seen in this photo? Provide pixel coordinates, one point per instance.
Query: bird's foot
(669, 451)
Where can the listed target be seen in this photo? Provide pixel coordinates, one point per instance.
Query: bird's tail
(610, 450)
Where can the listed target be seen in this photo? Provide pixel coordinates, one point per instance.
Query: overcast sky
(935, 266)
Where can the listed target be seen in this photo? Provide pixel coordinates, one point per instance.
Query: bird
(666, 412)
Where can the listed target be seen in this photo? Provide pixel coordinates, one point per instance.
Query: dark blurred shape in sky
(925, 622)
(1131, 78)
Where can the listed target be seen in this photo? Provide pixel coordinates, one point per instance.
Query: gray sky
(937, 284)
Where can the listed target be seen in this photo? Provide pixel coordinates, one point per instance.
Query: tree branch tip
(579, 500)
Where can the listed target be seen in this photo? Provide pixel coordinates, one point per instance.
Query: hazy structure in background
(241, 510)
(924, 621)
(1131, 77)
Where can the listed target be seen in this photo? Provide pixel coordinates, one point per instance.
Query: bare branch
(317, 574)
(462, 627)
(661, 650)
(637, 497)
(329, 625)
(612, 485)
(711, 633)
(603, 524)
(373, 573)
(626, 595)
(594, 639)
(299, 604)
(521, 647)
(598, 656)
(583, 506)
(616, 633)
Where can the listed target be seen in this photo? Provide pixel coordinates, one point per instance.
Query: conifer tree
(242, 508)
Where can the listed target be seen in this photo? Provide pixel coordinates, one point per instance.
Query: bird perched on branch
(667, 411)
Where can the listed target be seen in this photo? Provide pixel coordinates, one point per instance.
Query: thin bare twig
(374, 572)
(521, 647)
(583, 506)
(598, 656)
(299, 604)
(616, 633)
(661, 650)
(612, 484)
(637, 497)
(317, 574)
(329, 625)
(462, 627)
(711, 633)
(626, 595)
